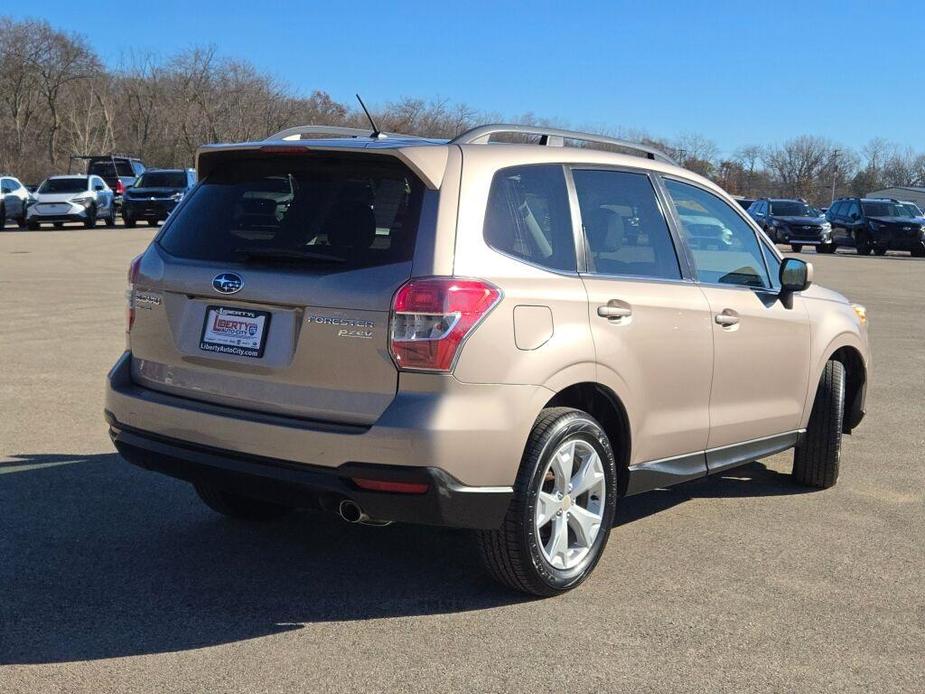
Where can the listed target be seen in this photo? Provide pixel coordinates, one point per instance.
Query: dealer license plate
(235, 331)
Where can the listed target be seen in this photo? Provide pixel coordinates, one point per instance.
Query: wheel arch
(848, 349)
(606, 407)
(855, 384)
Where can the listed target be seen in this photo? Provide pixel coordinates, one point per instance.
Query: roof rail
(554, 137)
(357, 133)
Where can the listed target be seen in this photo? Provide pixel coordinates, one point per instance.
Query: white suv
(63, 199)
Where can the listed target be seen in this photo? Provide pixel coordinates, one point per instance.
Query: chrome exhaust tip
(351, 512)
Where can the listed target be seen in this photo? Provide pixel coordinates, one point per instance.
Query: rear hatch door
(269, 288)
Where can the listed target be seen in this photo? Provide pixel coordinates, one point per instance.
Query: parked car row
(869, 225)
(111, 184)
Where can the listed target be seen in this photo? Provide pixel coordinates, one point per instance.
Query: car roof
(83, 176)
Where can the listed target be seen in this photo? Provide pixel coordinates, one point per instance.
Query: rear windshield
(64, 185)
(348, 212)
(162, 179)
(104, 167)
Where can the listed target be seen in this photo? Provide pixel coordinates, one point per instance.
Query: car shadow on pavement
(100, 560)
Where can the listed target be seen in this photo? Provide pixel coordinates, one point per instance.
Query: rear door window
(342, 211)
(625, 230)
(528, 216)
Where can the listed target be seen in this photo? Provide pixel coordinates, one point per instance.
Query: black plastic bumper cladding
(446, 503)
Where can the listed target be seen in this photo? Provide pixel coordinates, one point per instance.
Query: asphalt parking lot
(113, 579)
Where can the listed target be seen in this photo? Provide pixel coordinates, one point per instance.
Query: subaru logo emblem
(227, 283)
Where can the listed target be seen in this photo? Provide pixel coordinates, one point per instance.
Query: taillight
(130, 293)
(120, 187)
(432, 316)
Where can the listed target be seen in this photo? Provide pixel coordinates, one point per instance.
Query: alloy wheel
(570, 504)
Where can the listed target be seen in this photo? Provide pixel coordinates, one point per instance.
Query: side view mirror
(795, 275)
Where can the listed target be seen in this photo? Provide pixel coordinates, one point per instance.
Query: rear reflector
(383, 486)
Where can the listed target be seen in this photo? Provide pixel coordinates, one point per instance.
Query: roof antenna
(376, 134)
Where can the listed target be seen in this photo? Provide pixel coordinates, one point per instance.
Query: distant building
(914, 194)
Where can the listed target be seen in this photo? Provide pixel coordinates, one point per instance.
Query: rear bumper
(447, 502)
(471, 436)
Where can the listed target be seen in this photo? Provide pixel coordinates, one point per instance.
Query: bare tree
(60, 60)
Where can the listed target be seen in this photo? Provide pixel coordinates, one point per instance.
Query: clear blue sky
(737, 72)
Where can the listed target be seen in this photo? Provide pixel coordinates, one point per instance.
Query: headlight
(826, 226)
(84, 200)
(177, 196)
(861, 312)
(877, 225)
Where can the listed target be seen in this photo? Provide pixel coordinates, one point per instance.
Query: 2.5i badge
(235, 331)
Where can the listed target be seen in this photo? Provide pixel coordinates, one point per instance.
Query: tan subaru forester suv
(508, 331)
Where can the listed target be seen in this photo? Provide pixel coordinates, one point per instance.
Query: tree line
(58, 99)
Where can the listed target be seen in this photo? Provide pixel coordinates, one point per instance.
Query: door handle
(727, 318)
(614, 312)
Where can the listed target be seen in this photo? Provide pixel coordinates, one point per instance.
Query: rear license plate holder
(236, 331)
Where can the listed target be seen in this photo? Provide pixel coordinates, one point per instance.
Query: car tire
(518, 553)
(90, 221)
(128, 220)
(110, 220)
(880, 251)
(815, 460)
(862, 245)
(826, 248)
(796, 247)
(22, 222)
(239, 506)
(2, 217)
(918, 251)
(151, 222)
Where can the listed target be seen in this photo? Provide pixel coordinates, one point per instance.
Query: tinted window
(104, 167)
(162, 179)
(64, 185)
(528, 216)
(834, 210)
(346, 212)
(625, 229)
(6, 186)
(884, 209)
(792, 208)
(853, 209)
(724, 247)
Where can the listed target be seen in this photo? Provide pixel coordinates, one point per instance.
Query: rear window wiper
(287, 255)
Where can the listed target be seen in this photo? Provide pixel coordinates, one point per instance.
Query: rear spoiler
(428, 162)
